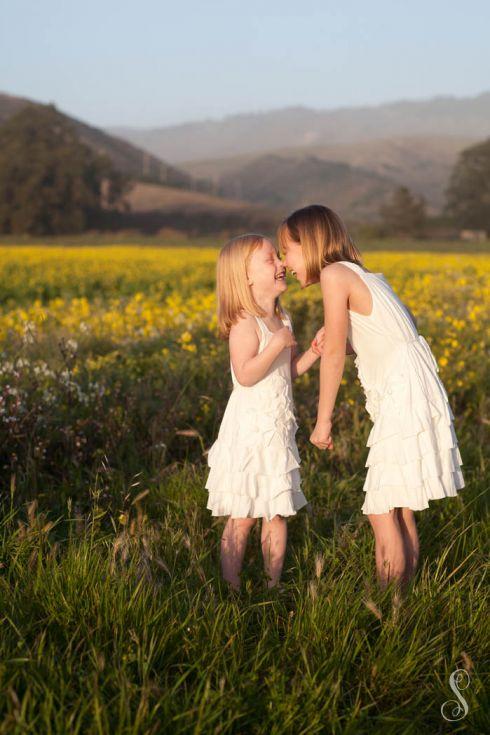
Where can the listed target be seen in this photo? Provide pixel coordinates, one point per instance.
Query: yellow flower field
(128, 294)
(114, 351)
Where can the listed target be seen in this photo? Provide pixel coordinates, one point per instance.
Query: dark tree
(468, 193)
(404, 214)
(50, 182)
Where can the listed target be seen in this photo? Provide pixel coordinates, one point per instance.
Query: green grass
(111, 628)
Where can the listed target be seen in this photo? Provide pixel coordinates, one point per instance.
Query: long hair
(233, 293)
(323, 238)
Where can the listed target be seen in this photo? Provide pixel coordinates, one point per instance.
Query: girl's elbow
(244, 381)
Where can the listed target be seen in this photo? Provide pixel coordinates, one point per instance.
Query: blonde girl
(254, 462)
(413, 450)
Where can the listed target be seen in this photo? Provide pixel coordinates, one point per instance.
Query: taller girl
(413, 450)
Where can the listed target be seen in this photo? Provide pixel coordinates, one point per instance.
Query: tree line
(467, 198)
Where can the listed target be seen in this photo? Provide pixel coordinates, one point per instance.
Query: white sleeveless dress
(413, 450)
(254, 462)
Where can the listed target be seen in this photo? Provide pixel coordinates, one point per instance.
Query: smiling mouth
(281, 276)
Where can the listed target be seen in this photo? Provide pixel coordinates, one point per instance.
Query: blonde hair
(323, 238)
(233, 293)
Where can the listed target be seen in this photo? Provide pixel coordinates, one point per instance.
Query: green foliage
(468, 193)
(50, 182)
(115, 620)
(405, 214)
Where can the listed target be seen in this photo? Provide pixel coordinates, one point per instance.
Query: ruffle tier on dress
(254, 462)
(414, 455)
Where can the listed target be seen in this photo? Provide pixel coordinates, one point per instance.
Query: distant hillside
(288, 182)
(144, 197)
(127, 158)
(162, 196)
(302, 127)
(154, 207)
(422, 163)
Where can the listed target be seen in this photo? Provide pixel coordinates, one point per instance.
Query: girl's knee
(243, 524)
(384, 524)
(406, 516)
(277, 520)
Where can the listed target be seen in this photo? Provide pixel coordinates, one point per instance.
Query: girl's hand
(318, 340)
(285, 336)
(321, 436)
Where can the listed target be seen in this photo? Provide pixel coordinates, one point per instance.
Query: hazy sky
(153, 62)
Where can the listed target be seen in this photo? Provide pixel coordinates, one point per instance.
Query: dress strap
(369, 284)
(359, 269)
(356, 268)
(350, 264)
(262, 327)
(286, 319)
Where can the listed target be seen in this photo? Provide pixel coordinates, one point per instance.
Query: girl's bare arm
(249, 365)
(335, 292)
(303, 362)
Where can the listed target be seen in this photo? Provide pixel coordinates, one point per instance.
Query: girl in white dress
(254, 461)
(413, 450)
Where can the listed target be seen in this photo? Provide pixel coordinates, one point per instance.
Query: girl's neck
(268, 305)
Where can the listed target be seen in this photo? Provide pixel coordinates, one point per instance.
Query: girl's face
(294, 261)
(266, 273)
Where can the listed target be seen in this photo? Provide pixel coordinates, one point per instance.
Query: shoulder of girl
(242, 319)
(245, 323)
(333, 271)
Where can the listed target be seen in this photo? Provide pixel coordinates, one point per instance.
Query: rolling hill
(303, 127)
(153, 207)
(269, 163)
(129, 159)
(422, 163)
(285, 183)
(351, 158)
(161, 196)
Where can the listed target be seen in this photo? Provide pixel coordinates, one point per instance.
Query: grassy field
(114, 618)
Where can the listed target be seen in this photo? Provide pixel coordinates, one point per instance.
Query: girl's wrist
(322, 420)
(314, 348)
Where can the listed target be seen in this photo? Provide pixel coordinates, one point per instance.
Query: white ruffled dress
(254, 462)
(413, 450)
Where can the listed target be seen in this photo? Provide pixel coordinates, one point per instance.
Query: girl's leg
(233, 545)
(408, 526)
(273, 540)
(390, 549)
